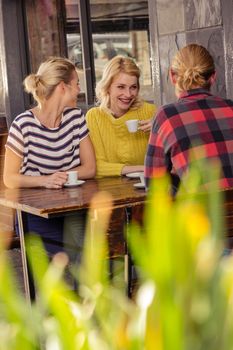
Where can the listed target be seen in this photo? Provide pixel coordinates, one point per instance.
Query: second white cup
(72, 177)
(142, 178)
(132, 125)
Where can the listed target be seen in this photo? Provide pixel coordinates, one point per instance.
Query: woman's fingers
(145, 125)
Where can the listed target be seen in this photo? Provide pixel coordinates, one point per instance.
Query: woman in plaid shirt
(198, 121)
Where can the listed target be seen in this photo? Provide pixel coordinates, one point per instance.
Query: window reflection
(119, 28)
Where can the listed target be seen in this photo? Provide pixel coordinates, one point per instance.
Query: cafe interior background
(90, 32)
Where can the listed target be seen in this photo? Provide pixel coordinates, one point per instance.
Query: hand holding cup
(132, 125)
(72, 177)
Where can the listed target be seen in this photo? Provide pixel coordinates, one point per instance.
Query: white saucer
(77, 183)
(139, 185)
(134, 175)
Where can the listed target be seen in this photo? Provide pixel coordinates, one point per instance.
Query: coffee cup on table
(142, 179)
(132, 125)
(72, 177)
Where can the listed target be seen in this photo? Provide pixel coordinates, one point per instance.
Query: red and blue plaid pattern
(199, 122)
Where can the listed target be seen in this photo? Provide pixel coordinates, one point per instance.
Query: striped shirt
(47, 150)
(198, 121)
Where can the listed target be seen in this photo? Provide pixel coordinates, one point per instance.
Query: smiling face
(73, 90)
(123, 91)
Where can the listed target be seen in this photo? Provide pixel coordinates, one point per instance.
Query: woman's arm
(87, 169)
(13, 179)
(131, 169)
(104, 168)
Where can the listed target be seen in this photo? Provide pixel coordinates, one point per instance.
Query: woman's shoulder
(70, 111)
(24, 115)
(23, 118)
(95, 112)
(72, 116)
(146, 110)
(149, 106)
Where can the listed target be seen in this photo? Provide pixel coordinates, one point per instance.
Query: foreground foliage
(186, 287)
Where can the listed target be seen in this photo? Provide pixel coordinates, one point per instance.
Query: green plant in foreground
(184, 301)
(180, 251)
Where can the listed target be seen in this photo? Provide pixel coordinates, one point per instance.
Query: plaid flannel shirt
(197, 120)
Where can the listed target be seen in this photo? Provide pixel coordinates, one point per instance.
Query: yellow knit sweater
(114, 146)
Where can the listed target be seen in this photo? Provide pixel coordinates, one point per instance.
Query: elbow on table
(91, 173)
(8, 182)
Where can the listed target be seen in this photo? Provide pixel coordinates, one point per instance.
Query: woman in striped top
(48, 140)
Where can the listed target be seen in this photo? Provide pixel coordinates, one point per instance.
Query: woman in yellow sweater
(118, 151)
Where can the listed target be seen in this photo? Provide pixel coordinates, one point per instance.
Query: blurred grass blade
(94, 268)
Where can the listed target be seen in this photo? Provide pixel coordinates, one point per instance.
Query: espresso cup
(142, 179)
(72, 177)
(132, 125)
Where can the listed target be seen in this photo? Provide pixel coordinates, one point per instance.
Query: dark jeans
(58, 234)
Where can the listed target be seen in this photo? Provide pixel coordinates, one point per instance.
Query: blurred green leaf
(185, 293)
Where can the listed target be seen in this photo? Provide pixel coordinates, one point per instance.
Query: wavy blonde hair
(117, 65)
(50, 73)
(193, 66)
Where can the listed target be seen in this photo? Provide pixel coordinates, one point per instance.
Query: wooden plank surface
(46, 202)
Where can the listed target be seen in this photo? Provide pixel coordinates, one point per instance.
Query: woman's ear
(172, 76)
(213, 78)
(61, 87)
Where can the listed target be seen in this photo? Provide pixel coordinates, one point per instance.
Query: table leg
(23, 255)
(128, 260)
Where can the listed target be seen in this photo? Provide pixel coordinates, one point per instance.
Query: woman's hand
(13, 179)
(55, 180)
(131, 169)
(145, 125)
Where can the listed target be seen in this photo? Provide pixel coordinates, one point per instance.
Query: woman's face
(123, 91)
(73, 90)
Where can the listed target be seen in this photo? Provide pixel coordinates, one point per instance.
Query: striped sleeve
(83, 130)
(15, 140)
(76, 117)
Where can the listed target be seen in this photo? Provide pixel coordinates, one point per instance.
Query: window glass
(73, 39)
(118, 28)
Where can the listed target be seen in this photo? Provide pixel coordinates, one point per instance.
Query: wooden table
(49, 203)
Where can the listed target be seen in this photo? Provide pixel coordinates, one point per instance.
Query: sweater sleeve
(104, 168)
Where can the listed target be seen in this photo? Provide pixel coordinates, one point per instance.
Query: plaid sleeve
(156, 159)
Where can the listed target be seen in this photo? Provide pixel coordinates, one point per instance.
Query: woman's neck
(48, 116)
(117, 114)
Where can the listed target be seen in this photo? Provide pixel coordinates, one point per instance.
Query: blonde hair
(50, 73)
(117, 65)
(193, 66)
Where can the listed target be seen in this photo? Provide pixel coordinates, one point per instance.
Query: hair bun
(37, 79)
(193, 66)
(191, 77)
(192, 73)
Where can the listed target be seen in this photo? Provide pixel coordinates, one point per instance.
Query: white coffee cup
(132, 125)
(72, 177)
(142, 179)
